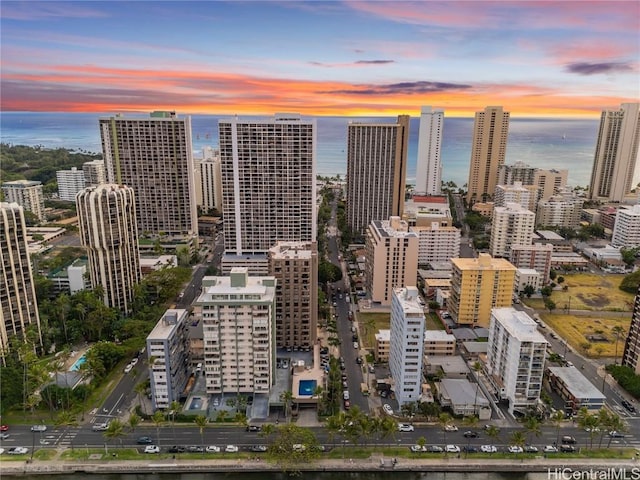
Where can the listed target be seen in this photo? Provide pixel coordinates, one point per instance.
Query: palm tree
(493, 433)
(334, 426)
(158, 419)
(388, 428)
(557, 418)
(618, 330)
(421, 442)
(114, 431)
(141, 389)
(615, 423)
(532, 426)
(471, 421)
(174, 406)
(518, 438)
(477, 368)
(133, 422)
(201, 421)
(287, 397)
(444, 420)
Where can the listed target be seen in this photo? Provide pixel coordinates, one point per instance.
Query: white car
(298, 447)
(213, 449)
(128, 368)
(450, 428)
(1, 451)
(405, 427)
(415, 448)
(18, 451)
(231, 449)
(134, 361)
(345, 395)
(550, 449)
(515, 449)
(387, 409)
(152, 449)
(38, 428)
(452, 449)
(488, 449)
(355, 345)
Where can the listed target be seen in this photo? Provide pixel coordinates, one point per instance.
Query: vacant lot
(578, 331)
(370, 323)
(589, 292)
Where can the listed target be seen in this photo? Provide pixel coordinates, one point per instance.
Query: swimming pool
(78, 363)
(307, 387)
(196, 403)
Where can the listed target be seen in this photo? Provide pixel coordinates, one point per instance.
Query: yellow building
(477, 286)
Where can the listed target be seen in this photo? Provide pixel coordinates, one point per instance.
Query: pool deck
(75, 355)
(307, 372)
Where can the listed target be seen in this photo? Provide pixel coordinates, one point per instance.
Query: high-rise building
(70, 182)
(391, 258)
(107, 221)
(209, 181)
(167, 351)
(488, 150)
(477, 286)
(268, 182)
(94, 173)
(376, 171)
(153, 156)
(515, 358)
(429, 164)
(511, 225)
(18, 303)
(516, 193)
(295, 268)
(26, 193)
(561, 210)
(548, 182)
(616, 157)
(436, 243)
(406, 344)
(536, 257)
(631, 355)
(626, 232)
(238, 314)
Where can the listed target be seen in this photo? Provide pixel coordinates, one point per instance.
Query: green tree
(287, 399)
(518, 438)
(532, 427)
(158, 420)
(557, 418)
(444, 420)
(133, 422)
(201, 421)
(141, 389)
(549, 304)
(618, 331)
(493, 433)
(629, 255)
(630, 282)
(529, 290)
(293, 446)
(114, 431)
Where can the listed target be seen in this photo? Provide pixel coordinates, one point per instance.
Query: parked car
(298, 447)
(415, 448)
(471, 434)
(515, 449)
(258, 448)
(567, 448)
(18, 451)
(195, 449)
(530, 449)
(470, 449)
(347, 404)
(4, 428)
(38, 428)
(145, 441)
(134, 361)
(450, 428)
(231, 449)
(567, 439)
(405, 427)
(626, 404)
(345, 395)
(128, 368)
(152, 449)
(176, 449)
(100, 427)
(387, 409)
(488, 449)
(435, 449)
(452, 449)
(550, 449)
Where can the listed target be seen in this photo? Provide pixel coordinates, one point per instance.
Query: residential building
(548, 182)
(18, 302)
(26, 193)
(527, 277)
(483, 208)
(439, 343)
(576, 390)
(616, 155)
(626, 232)
(391, 253)
(437, 243)
(477, 286)
(488, 150)
(429, 164)
(209, 181)
(536, 256)
(295, 268)
(376, 171)
(512, 225)
(71, 278)
(383, 339)
(561, 210)
(153, 156)
(168, 356)
(526, 197)
(406, 344)
(94, 173)
(559, 243)
(423, 210)
(238, 318)
(463, 398)
(268, 182)
(107, 222)
(515, 359)
(70, 182)
(631, 355)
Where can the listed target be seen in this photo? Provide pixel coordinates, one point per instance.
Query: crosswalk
(65, 439)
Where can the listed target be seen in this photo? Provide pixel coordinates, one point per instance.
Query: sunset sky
(535, 58)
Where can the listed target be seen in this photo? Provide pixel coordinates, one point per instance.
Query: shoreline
(22, 468)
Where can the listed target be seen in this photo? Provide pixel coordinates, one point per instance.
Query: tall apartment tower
(238, 314)
(94, 173)
(515, 358)
(626, 232)
(376, 171)
(295, 268)
(70, 182)
(18, 303)
(631, 355)
(268, 182)
(406, 344)
(488, 150)
(548, 182)
(511, 225)
(561, 210)
(107, 220)
(209, 181)
(429, 163)
(391, 254)
(26, 193)
(616, 157)
(153, 156)
(477, 286)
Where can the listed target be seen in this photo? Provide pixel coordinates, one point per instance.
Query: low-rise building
(527, 277)
(536, 256)
(439, 342)
(446, 366)
(575, 389)
(463, 398)
(382, 346)
(560, 244)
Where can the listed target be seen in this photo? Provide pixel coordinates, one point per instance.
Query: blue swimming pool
(196, 403)
(78, 363)
(307, 387)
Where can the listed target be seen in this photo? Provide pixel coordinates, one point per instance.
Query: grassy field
(576, 329)
(589, 292)
(369, 324)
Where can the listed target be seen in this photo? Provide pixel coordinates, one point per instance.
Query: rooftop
(170, 320)
(518, 324)
(462, 391)
(576, 383)
(483, 262)
(549, 235)
(438, 336)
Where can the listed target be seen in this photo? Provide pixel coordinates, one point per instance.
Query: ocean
(542, 143)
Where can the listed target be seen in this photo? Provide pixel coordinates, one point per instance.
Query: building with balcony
(576, 390)
(209, 181)
(536, 256)
(526, 197)
(511, 225)
(439, 343)
(546, 182)
(561, 210)
(383, 337)
(423, 210)
(94, 173)
(429, 164)
(437, 243)
(626, 232)
(26, 193)
(70, 182)
(631, 355)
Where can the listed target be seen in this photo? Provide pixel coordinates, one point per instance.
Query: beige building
(616, 157)
(26, 193)
(18, 302)
(238, 316)
(383, 339)
(423, 210)
(631, 355)
(376, 171)
(547, 182)
(536, 256)
(107, 221)
(483, 208)
(94, 173)
(488, 150)
(153, 156)
(70, 182)
(209, 181)
(437, 243)
(477, 286)
(391, 253)
(527, 277)
(561, 210)
(439, 343)
(511, 225)
(526, 197)
(295, 268)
